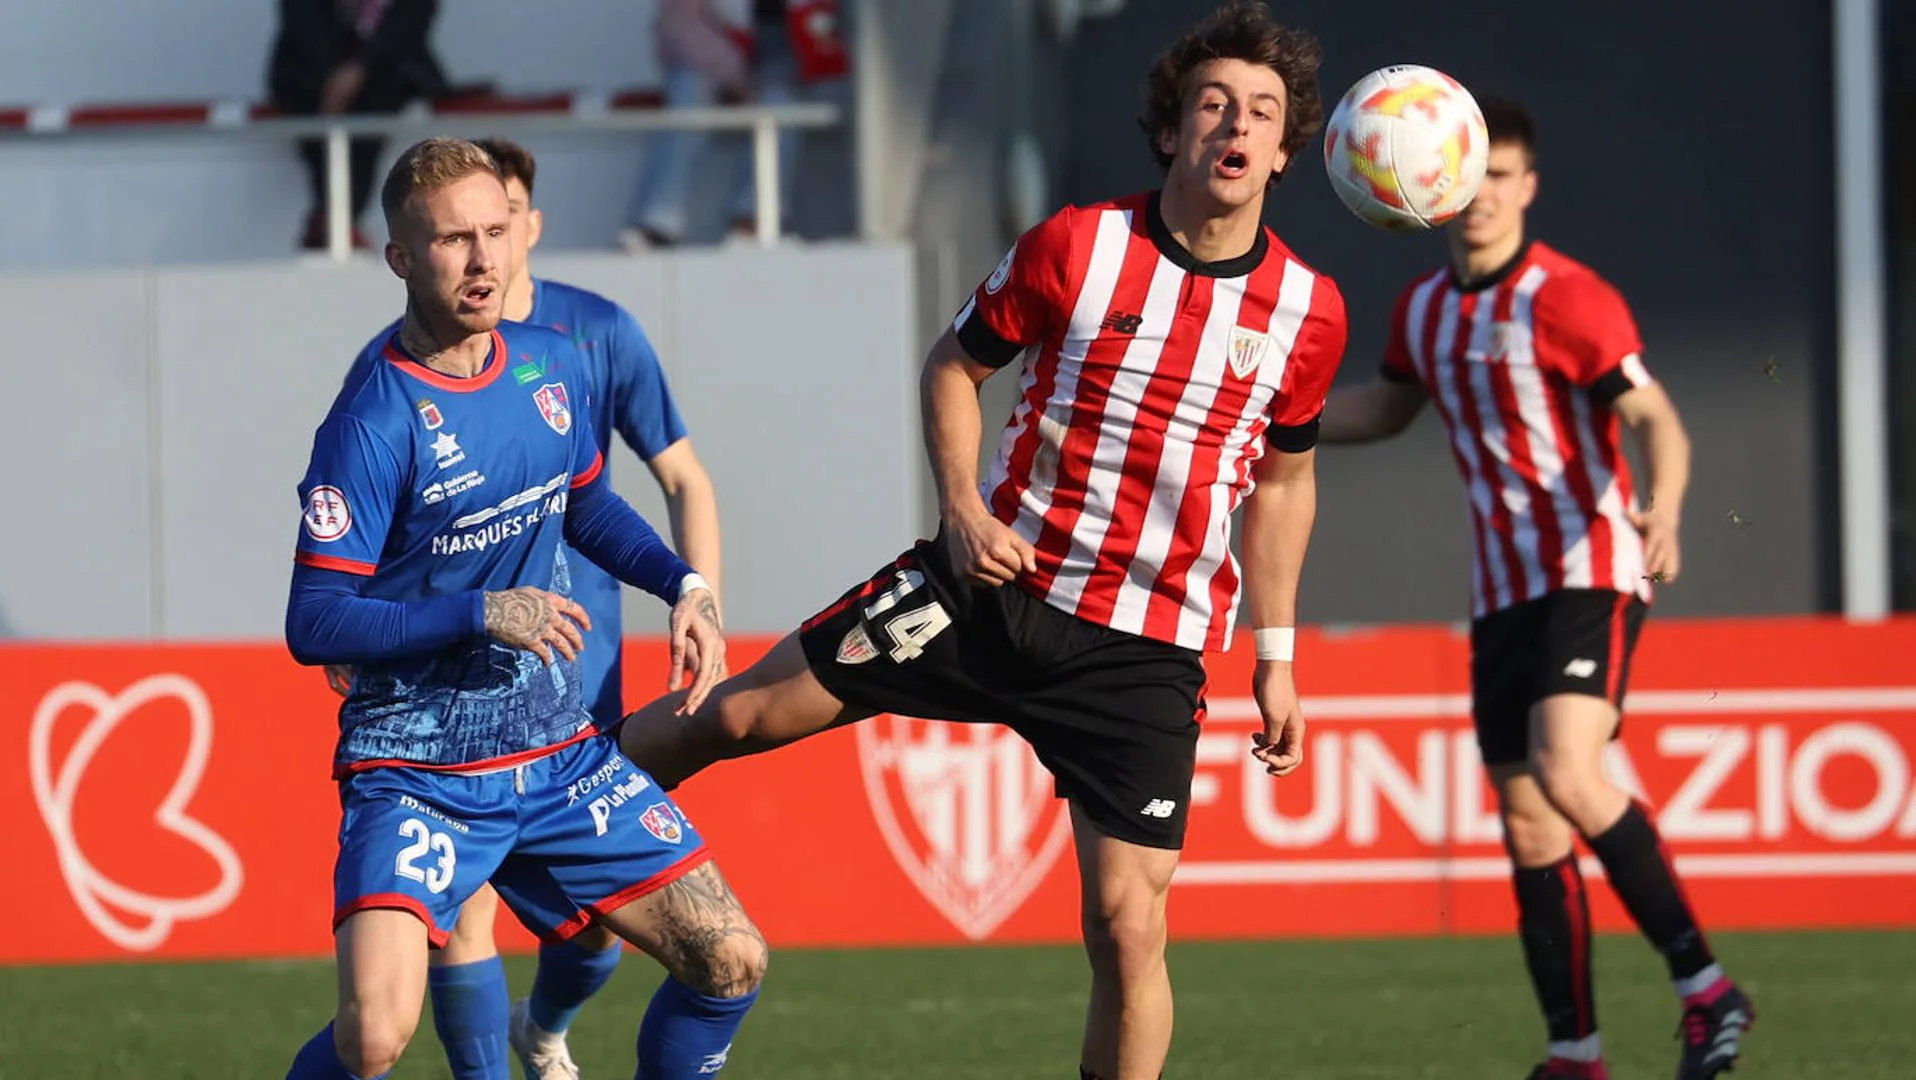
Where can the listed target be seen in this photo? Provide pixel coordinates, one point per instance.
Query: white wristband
(1275, 642)
(690, 582)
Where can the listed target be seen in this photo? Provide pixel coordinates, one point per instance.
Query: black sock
(1553, 919)
(1632, 855)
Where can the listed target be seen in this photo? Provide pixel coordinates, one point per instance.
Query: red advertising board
(172, 801)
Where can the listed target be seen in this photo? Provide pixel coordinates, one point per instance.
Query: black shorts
(1570, 641)
(1112, 715)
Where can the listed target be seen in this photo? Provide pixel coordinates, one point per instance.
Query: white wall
(157, 424)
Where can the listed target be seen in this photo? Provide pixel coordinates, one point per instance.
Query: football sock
(470, 1009)
(1553, 921)
(568, 976)
(686, 1033)
(319, 1060)
(1633, 857)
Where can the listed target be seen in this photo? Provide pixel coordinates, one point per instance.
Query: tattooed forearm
(517, 616)
(709, 943)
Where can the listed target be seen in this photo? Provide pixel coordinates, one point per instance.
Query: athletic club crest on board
(554, 406)
(967, 811)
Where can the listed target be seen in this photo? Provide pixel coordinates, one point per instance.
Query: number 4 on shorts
(910, 631)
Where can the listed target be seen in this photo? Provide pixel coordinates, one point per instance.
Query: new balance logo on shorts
(1580, 669)
(1159, 808)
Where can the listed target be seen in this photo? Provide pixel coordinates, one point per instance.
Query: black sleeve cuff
(1294, 438)
(1391, 374)
(1611, 385)
(984, 345)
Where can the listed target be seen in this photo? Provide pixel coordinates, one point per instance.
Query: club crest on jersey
(968, 813)
(660, 821)
(554, 406)
(1510, 341)
(429, 414)
(328, 517)
(1247, 351)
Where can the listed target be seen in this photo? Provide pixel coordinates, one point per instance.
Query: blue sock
(686, 1034)
(568, 975)
(470, 1010)
(319, 1060)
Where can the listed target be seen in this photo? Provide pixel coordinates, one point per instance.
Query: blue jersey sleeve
(350, 493)
(641, 407)
(587, 462)
(608, 531)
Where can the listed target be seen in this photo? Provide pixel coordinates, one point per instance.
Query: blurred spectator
(338, 57)
(728, 52)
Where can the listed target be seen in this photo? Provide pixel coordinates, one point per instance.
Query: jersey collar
(1181, 256)
(495, 363)
(1495, 277)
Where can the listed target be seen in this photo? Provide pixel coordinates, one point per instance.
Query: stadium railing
(569, 112)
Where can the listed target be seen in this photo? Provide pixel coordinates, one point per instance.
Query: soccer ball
(1406, 148)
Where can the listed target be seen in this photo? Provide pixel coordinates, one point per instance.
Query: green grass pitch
(1831, 1006)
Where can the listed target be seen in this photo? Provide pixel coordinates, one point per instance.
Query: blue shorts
(564, 838)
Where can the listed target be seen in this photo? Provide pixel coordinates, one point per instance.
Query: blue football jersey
(429, 485)
(628, 395)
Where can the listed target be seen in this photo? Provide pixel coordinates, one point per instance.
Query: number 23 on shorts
(436, 874)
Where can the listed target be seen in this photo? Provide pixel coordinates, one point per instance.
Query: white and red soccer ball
(1406, 148)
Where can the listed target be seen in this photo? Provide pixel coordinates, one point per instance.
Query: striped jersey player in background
(1177, 358)
(441, 502)
(1532, 361)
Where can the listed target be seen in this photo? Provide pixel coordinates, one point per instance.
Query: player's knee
(1127, 932)
(736, 718)
(369, 1041)
(1575, 785)
(732, 966)
(1536, 835)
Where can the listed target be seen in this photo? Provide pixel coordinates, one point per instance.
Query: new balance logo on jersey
(1580, 669)
(1159, 808)
(1123, 322)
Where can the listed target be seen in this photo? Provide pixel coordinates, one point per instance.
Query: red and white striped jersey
(1523, 367)
(1152, 385)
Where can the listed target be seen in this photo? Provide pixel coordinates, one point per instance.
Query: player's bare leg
(774, 702)
(715, 958)
(1124, 888)
(382, 984)
(471, 941)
